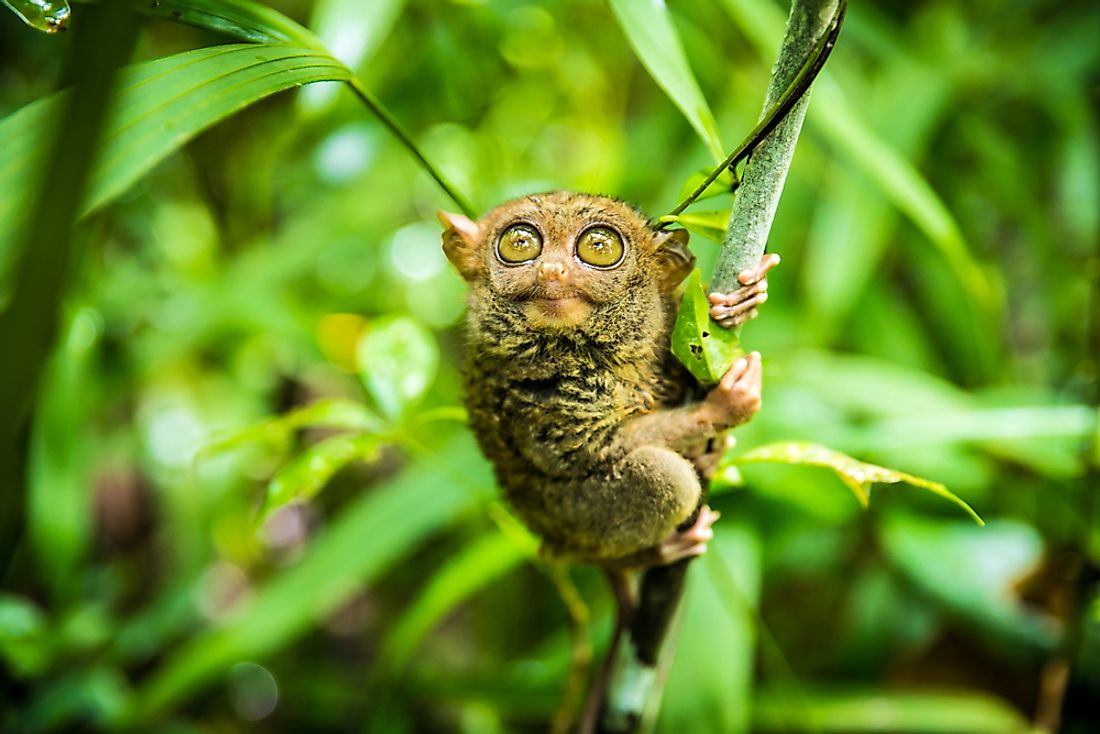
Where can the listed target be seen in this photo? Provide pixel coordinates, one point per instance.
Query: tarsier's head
(560, 258)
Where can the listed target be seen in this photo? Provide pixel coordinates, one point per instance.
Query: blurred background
(935, 312)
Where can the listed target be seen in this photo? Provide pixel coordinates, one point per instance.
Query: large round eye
(519, 243)
(600, 247)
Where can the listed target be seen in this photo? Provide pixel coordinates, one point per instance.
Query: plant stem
(31, 320)
(633, 690)
(762, 183)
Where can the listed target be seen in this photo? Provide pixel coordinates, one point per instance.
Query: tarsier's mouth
(557, 308)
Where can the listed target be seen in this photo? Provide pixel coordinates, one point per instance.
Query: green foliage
(704, 347)
(648, 27)
(858, 476)
(245, 449)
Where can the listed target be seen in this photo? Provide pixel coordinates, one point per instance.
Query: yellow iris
(600, 247)
(519, 243)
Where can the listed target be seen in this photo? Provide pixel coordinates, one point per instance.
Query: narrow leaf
(857, 475)
(398, 358)
(472, 568)
(309, 472)
(329, 413)
(704, 347)
(648, 27)
(711, 225)
(159, 106)
(240, 19)
(364, 541)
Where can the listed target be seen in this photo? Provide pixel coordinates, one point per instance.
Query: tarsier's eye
(519, 243)
(600, 247)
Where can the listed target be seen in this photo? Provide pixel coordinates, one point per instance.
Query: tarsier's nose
(552, 271)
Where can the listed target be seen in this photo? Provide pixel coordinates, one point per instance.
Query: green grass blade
(361, 544)
(477, 565)
(648, 27)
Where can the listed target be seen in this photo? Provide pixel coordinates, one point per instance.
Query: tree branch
(634, 687)
(762, 183)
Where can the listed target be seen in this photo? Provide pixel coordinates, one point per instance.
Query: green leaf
(895, 176)
(398, 358)
(62, 460)
(704, 347)
(239, 19)
(648, 27)
(711, 225)
(335, 413)
(159, 106)
(360, 544)
(309, 472)
(716, 650)
(48, 16)
(874, 711)
(25, 643)
(976, 575)
(352, 30)
(483, 561)
(857, 475)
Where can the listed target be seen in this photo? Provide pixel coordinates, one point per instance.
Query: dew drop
(48, 16)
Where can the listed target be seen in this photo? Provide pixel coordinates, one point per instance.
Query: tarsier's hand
(736, 398)
(734, 309)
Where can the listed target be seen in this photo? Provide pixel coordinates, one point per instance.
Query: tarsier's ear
(460, 241)
(674, 258)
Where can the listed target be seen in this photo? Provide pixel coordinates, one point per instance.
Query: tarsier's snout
(552, 272)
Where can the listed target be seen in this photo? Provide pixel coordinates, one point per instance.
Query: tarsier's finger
(725, 311)
(739, 295)
(733, 374)
(731, 321)
(754, 372)
(753, 274)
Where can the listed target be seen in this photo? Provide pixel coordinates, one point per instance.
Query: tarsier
(571, 388)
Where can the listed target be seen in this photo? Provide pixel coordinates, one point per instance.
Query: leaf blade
(649, 29)
(160, 105)
(857, 475)
(704, 347)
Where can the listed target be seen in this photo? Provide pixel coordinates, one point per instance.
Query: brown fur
(554, 388)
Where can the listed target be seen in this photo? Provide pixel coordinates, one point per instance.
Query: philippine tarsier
(571, 388)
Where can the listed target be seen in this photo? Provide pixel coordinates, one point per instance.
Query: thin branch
(776, 113)
(762, 183)
(633, 691)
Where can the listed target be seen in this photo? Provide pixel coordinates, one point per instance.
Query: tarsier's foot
(688, 543)
(736, 398)
(734, 309)
(707, 462)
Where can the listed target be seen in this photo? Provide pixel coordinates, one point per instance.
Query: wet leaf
(704, 347)
(857, 475)
(48, 16)
(398, 358)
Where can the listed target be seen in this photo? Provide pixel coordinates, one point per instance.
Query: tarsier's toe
(707, 463)
(688, 543)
